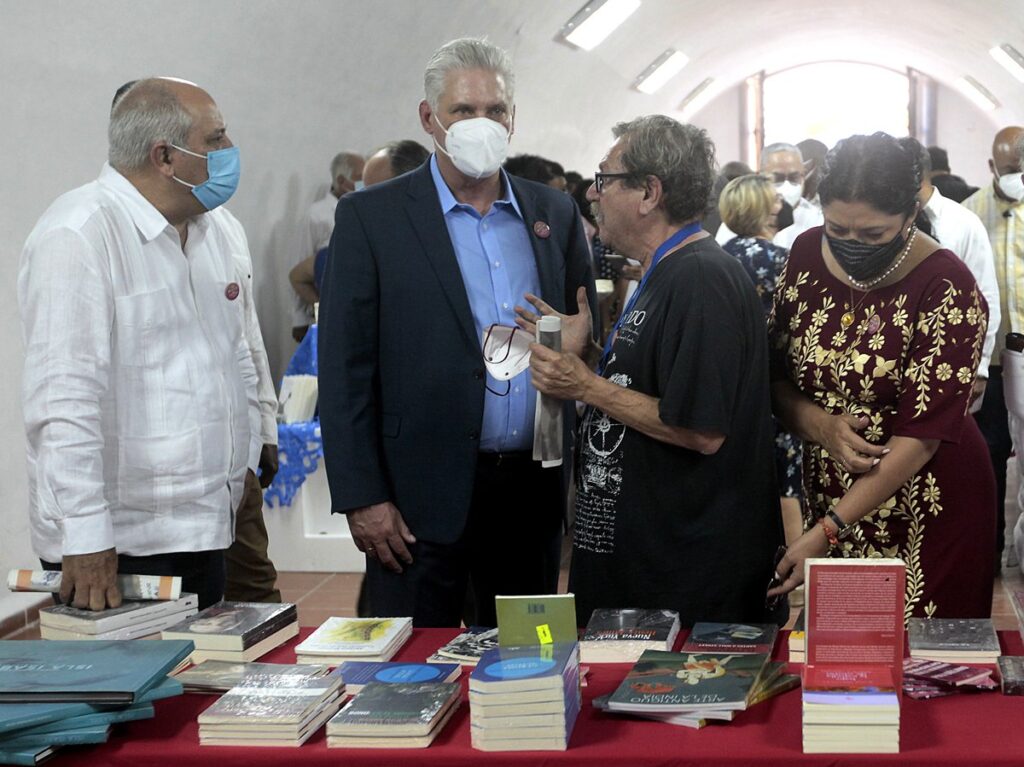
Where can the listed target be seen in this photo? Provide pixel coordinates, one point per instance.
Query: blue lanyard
(672, 242)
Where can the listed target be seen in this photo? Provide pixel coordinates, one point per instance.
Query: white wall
(966, 133)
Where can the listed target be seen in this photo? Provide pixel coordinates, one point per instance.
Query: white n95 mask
(1012, 185)
(506, 351)
(790, 192)
(477, 146)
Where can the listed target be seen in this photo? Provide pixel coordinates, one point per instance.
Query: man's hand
(577, 329)
(92, 578)
(979, 389)
(268, 465)
(559, 374)
(380, 532)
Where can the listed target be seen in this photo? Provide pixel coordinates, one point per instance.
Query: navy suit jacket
(401, 370)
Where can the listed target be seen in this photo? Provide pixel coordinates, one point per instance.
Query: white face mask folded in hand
(506, 351)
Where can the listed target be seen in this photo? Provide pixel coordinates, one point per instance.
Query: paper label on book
(544, 634)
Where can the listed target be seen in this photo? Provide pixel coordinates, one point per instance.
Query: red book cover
(854, 613)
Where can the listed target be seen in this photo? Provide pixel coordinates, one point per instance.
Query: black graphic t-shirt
(660, 526)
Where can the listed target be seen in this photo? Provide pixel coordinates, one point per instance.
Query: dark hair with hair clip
(875, 170)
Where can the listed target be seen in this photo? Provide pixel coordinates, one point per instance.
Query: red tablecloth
(984, 729)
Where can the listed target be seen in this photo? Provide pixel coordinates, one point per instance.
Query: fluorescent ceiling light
(1011, 59)
(595, 21)
(696, 99)
(976, 92)
(660, 71)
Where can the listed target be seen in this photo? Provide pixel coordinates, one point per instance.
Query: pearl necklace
(895, 265)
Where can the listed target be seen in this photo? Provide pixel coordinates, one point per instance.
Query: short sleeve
(703, 349)
(942, 359)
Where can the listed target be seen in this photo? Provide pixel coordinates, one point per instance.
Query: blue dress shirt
(498, 268)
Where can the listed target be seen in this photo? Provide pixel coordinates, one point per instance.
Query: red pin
(231, 291)
(542, 230)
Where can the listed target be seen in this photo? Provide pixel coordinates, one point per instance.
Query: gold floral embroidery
(965, 375)
(944, 371)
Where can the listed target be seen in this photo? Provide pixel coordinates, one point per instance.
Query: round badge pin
(231, 291)
(542, 230)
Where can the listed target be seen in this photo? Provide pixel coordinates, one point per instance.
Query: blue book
(355, 674)
(130, 714)
(29, 756)
(73, 737)
(15, 717)
(528, 667)
(112, 672)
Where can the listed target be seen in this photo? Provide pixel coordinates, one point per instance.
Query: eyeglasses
(796, 177)
(602, 179)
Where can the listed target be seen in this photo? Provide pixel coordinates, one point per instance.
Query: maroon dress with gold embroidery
(906, 362)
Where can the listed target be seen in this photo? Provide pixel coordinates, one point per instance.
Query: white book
(378, 637)
(130, 613)
(139, 630)
(131, 586)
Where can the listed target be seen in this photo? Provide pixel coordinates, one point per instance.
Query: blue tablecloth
(299, 447)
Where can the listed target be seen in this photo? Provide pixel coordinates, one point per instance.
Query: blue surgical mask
(223, 167)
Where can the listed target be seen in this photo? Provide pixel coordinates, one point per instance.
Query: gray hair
(146, 113)
(782, 146)
(682, 156)
(466, 53)
(344, 164)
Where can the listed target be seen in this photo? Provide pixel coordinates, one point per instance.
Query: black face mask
(862, 261)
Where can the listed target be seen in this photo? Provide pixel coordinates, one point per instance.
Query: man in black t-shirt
(676, 504)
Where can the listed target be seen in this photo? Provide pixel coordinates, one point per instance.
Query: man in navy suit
(428, 455)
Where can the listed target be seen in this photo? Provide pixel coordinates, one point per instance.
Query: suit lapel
(550, 263)
(428, 222)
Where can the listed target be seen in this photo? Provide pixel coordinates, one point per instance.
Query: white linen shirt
(316, 235)
(138, 386)
(961, 231)
(266, 425)
(806, 215)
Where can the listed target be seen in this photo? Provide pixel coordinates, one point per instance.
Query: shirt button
(504, 306)
(485, 227)
(497, 264)
(516, 390)
(474, 434)
(515, 431)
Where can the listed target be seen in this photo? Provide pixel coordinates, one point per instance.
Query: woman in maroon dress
(876, 333)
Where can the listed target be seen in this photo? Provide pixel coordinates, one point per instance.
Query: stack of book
(953, 640)
(525, 698)
(132, 620)
(56, 693)
(276, 710)
(1011, 674)
(135, 587)
(536, 619)
(236, 631)
(394, 715)
(358, 674)
(850, 710)
(690, 688)
(924, 679)
(217, 676)
(467, 648)
(621, 635)
(368, 639)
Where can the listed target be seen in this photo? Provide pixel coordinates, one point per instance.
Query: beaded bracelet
(833, 540)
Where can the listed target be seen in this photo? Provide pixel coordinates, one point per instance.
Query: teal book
(27, 756)
(536, 619)
(105, 672)
(16, 717)
(72, 737)
(532, 667)
(670, 681)
(130, 714)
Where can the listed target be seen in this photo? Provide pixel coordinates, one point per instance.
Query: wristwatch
(842, 529)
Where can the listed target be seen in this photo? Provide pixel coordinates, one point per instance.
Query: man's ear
(160, 158)
(426, 117)
(654, 193)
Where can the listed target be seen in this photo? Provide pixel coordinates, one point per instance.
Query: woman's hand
(838, 435)
(790, 569)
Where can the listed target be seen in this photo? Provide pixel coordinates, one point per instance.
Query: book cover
(946, 674)
(536, 619)
(861, 685)
(112, 716)
(356, 674)
(253, 652)
(68, 737)
(384, 740)
(131, 586)
(953, 636)
(469, 646)
(128, 614)
(395, 709)
(273, 700)
(632, 624)
(854, 613)
(92, 672)
(222, 675)
(667, 681)
(28, 756)
(1011, 674)
(232, 625)
(733, 638)
(355, 636)
(531, 667)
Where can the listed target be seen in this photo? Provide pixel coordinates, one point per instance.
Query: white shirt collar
(149, 221)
